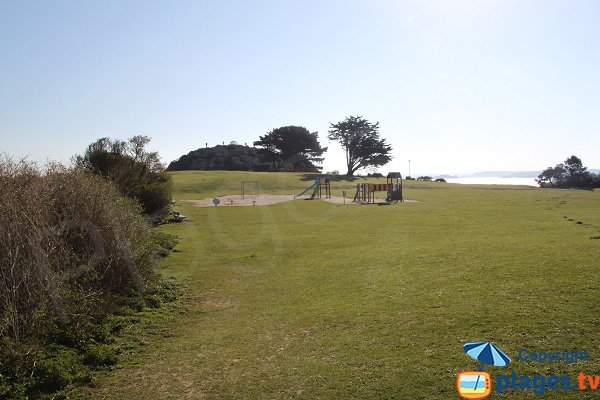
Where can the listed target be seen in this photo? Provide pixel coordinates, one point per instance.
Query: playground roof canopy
(394, 175)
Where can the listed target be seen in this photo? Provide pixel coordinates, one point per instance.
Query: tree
(360, 140)
(292, 145)
(552, 176)
(136, 172)
(575, 169)
(571, 173)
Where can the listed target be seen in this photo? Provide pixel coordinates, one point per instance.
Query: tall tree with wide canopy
(361, 141)
(292, 146)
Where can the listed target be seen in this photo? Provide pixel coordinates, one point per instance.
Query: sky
(457, 86)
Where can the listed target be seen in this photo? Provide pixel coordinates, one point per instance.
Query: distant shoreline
(493, 181)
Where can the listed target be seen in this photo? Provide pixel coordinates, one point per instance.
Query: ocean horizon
(481, 180)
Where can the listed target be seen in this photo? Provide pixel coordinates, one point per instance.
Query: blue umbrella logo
(486, 353)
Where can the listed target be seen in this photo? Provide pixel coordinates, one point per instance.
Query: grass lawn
(313, 300)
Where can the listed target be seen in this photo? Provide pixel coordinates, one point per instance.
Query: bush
(376, 175)
(58, 367)
(17, 360)
(137, 173)
(67, 355)
(8, 388)
(79, 337)
(74, 250)
(70, 243)
(98, 356)
(440, 180)
(424, 178)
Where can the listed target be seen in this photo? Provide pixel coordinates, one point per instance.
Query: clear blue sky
(457, 86)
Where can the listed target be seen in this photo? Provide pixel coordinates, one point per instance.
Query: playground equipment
(317, 187)
(394, 182)
(365, 192)
(250, 188)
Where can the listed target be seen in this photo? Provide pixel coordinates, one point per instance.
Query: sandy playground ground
(235, 200)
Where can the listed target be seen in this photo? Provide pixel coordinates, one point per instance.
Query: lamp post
(409, 168)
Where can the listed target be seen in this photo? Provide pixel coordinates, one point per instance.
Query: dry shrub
(69, 245)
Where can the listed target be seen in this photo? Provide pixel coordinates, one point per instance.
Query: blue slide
(308, 188)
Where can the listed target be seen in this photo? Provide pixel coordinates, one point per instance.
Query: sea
(481, 180)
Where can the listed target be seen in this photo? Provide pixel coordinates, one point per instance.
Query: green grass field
(313, 300)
